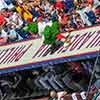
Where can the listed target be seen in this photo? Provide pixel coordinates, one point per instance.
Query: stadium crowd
(47, 19)
(25, 19)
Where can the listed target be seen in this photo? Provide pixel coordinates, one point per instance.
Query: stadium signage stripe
(86, 41)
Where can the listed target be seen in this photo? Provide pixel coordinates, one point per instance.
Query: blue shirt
(15, 34)
(69, 4)
(35, 13)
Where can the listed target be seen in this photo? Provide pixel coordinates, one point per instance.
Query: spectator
(59, 5)
(69, 5)
(13, 35)
(35, 11)
(41, 25)
(53, 95)
(84, 17)
(9, 4)
(4, 35)
(2, 20)
(46, 6)
(48, 18)
(90, 14)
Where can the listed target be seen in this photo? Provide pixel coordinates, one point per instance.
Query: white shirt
(84, 17)
(14, 34)
(4, 34)
(2, 4)
(96, 3)
(14, 18)
(49, 23)
(41, 27)
(47, 8)
(10, 6)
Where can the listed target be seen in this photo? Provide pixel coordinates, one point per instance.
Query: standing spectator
(69, 5)
(59, 5)
(13, 36)
(2, 20)
(90, 14)
(46, 6)
(41, 25)
(26, 15)
(9, 4)
(15, 19)
(84, 17)
(35, 11)
(2, 4)
(4, 35)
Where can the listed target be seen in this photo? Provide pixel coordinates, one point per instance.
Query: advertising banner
(84, 44)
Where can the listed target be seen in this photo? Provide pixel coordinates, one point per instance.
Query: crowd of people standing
(25, 19)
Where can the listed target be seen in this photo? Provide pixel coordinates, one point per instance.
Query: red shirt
(59, 5)
(2, 20)
(6, 14)
(64, 19)
(90, 2)
(60, 36)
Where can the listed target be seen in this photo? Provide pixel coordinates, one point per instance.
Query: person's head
(53, 94)
(40, 19)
